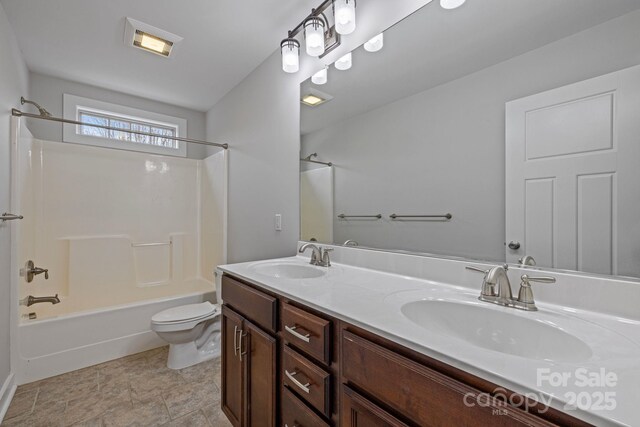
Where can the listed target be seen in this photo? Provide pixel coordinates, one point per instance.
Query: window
(125, 118)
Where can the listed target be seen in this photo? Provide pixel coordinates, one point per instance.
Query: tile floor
(137, 390)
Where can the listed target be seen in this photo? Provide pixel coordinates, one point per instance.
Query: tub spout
(30, 300)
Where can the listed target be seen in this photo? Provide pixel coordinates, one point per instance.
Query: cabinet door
(259, 351)
(232, 367)
(359, 412)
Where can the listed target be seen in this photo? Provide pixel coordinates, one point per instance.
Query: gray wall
(48, 91)
(13, 84)
(260, 119)
(442, 150)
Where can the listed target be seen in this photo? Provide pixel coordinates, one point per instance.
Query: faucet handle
(325, 257)
(479, 270)
(526, 279)
(525, 295)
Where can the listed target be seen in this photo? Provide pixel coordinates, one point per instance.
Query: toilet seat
(184, 313)
(184, 317)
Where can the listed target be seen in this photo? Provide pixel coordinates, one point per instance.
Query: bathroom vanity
(313, 346)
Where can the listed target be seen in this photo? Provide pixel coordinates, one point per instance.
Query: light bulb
(451, 4)
(320, 77)
(345, 16)
(375, 44)
(344, 63)
(290, 50)
(314, 36)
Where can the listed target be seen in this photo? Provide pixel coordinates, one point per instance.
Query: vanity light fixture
(320, 36)
(290, 50)
(344, 12)
(451, 4)
(344, 63)
(320, 77)
(375, 44)
(314, 36)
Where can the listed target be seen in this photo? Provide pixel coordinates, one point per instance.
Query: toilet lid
(184, 313)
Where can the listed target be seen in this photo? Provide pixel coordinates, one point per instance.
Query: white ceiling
(82, 40)
(434, 46)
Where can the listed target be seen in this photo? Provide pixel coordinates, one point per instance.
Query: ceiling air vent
(144, 36)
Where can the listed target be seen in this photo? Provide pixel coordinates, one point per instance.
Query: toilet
(192, 331)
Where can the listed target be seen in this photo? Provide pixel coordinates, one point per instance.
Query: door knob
(514, 245)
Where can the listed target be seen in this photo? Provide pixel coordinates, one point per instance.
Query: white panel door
(573, 175)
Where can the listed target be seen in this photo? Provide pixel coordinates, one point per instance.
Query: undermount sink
(283, 270)
(497, 330)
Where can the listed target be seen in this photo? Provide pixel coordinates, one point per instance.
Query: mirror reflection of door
(571, 180)
(316, 204)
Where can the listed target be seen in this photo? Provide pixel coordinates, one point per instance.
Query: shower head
(43, 112)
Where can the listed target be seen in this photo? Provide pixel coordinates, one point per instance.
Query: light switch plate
(278, 222)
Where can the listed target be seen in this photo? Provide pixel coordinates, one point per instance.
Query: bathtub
(60, 344)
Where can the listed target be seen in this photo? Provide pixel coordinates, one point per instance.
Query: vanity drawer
(307, 332)
(306, 379)
(359, 412)
(296, 414)
(251, 303)
(423, 395)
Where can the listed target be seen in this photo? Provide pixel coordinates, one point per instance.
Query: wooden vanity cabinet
(249, 365)
(307, 369)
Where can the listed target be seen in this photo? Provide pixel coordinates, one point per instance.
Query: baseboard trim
(6, 394)
(50, 365)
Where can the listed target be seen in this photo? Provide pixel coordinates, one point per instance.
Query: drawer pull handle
(292, 330)
(242, 335)
(303, 387)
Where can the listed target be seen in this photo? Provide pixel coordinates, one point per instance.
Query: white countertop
(373, 301)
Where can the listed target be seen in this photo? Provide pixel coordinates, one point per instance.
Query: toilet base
(188, 354)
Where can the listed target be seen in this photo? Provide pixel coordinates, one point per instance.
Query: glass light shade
(375, 44)
(320, 77)
(451, 4)
(314, 36)
(290, 50)
(344, 63)
(345, 16)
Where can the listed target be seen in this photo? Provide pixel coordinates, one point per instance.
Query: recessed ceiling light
(451, 4)
(312, 100)
(152, 43)
(146, 37)
(313, 97)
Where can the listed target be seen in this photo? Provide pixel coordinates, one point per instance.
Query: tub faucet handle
(30, 271)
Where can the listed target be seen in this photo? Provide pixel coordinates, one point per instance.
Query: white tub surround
(372, 290)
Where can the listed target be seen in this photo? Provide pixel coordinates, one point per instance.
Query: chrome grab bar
(137, 245)
(303, 387)
(10, 217)
(343, 216)
(396, 216)
(293, 331)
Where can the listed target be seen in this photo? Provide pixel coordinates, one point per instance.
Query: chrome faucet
(497, 277)
(319, 256)
(350, 243)
(496, 288)
(30, 300)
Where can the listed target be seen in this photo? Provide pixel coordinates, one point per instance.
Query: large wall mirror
(493, 131)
